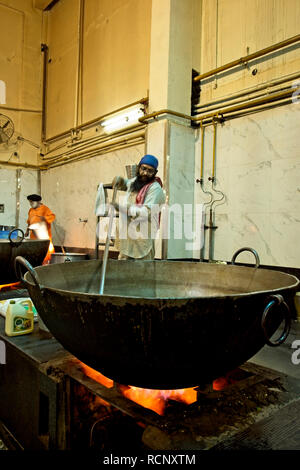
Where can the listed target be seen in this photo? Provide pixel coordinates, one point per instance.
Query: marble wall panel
(8, 196)
(284, 238)
(29, 185)
(70, 191)
(258, 169)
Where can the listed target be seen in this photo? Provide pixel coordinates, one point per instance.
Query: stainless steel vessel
(67, 257)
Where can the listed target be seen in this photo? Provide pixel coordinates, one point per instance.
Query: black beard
(138, 183)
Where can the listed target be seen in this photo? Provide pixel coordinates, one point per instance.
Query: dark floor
(281, 358)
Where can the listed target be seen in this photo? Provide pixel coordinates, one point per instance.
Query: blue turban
(149, 160)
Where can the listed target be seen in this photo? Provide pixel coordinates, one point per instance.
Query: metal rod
(23, 110)
(248, 91)
(106, 250)
(203, 117)
(44, 49)
(93, 121)
(202, 151)
(247, 58)
(78, 97)
(210, 235)
(214, 150)
(77, 151)
(92, 154)
(20, 165)
(18, 191)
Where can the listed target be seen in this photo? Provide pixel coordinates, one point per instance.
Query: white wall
(258, 169)
(70, 191)
(28, 184)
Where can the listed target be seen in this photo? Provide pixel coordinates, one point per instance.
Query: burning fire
(49, 253)
(230, 378)
(155, 400)
(12, 286)
(95, 375)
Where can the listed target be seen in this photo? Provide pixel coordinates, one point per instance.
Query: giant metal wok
(15, 245)
(161, 324)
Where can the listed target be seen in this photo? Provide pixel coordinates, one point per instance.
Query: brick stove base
(218, 417)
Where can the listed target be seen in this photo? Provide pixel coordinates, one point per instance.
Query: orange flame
(14, 285)
(156, 400)
(95, 375)
(220, 383)
(49, 253)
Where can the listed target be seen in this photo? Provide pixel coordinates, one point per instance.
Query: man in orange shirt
(38, 213)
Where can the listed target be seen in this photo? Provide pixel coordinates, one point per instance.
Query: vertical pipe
(214, 150)
(202, 150)
(165, 215)
(39, 184)
(78, 96)
(18, 190)
(44, 49)
(210, 236)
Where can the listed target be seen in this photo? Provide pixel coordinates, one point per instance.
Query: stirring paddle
(106, 250)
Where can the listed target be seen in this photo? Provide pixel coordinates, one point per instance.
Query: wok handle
(277, 300)
(12, 242)
(246, 249)
(19, 260)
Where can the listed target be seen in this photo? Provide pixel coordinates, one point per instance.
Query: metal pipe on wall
(210, 227)
(116, 141)
(165, 223)
(94, 154)
(18, 191)
(248, 92)
(92, 122)
(210, 116)
(202, 127)
(82, 144)
(244, 60)
(20, 165)
(23, 110)
(78, 95)
(44, 49)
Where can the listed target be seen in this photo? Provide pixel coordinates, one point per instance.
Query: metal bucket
(131, 171)
(161, 324)
(67, 257)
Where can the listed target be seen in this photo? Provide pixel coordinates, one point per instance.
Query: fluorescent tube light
(123, 119)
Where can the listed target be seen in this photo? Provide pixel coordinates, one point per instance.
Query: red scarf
(142, 192)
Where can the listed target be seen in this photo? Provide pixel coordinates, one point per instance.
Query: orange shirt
(34, 216)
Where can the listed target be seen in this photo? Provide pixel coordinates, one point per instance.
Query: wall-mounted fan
(6, 129)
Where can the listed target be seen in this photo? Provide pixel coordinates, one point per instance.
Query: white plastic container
(19, 319)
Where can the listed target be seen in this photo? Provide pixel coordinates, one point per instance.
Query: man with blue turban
(140, 210)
